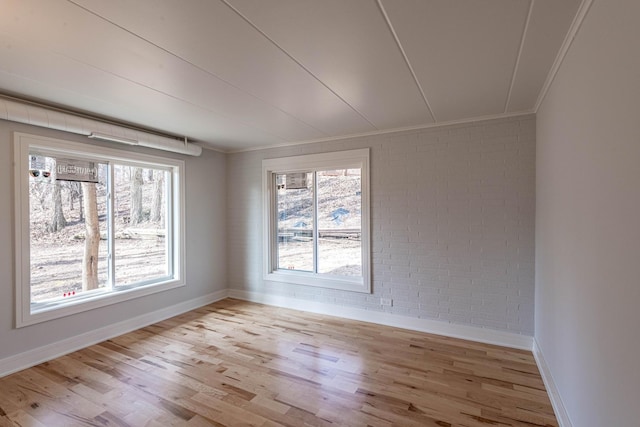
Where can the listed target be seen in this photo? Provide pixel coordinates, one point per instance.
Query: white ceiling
(240, 74)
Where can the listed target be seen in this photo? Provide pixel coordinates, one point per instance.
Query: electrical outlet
(386, 301)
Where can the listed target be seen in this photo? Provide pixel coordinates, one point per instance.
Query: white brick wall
(452, 223)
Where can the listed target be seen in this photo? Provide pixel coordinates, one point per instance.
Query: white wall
(452, 219)
(206, 255)
(588, 221)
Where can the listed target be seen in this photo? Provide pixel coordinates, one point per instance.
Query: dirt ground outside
(336, 256)
(140, 250)
(57, 270)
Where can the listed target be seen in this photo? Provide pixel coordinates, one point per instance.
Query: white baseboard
(554, 394)
(472, 333)
(38, 355)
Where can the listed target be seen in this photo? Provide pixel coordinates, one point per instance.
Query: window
(317, 220)
(94, 226)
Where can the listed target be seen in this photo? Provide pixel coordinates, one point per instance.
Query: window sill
(83, 303)
(353, 284)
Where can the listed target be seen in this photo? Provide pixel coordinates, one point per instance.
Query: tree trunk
(92, 237)
(158, 189)
(58, 222)
(136, 197)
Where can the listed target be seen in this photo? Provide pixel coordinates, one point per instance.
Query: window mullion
(315, 222)
(169, 213)
(273, 228)
(111, 228)
(168, 248)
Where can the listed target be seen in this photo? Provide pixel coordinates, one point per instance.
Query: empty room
(320, 213)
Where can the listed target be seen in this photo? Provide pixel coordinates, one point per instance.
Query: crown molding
(388, 131)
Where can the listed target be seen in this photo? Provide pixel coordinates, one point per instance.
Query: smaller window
(316, 210)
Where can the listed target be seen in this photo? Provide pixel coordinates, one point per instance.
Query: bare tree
(136, 216)
(58, 221)
(92, 237)
(75, 193)
(39, 191)
(158, 190)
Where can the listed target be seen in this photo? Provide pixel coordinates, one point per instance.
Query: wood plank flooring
(235, 363)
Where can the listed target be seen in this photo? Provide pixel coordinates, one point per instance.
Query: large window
(317, 220)
(95, 226)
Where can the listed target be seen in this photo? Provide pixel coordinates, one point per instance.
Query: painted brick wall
(452, 223)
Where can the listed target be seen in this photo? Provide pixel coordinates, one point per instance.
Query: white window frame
(23, 145)
(351, 159)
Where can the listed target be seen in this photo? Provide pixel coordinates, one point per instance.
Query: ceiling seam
(300, 64)
(583, 10)
(225, 116)
(204, 71)
(516, 65)
(406, 58)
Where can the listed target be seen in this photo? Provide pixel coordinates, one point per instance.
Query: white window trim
(23, 144)
(334, 160)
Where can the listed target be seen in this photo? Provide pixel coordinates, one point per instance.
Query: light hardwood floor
(235, 363)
